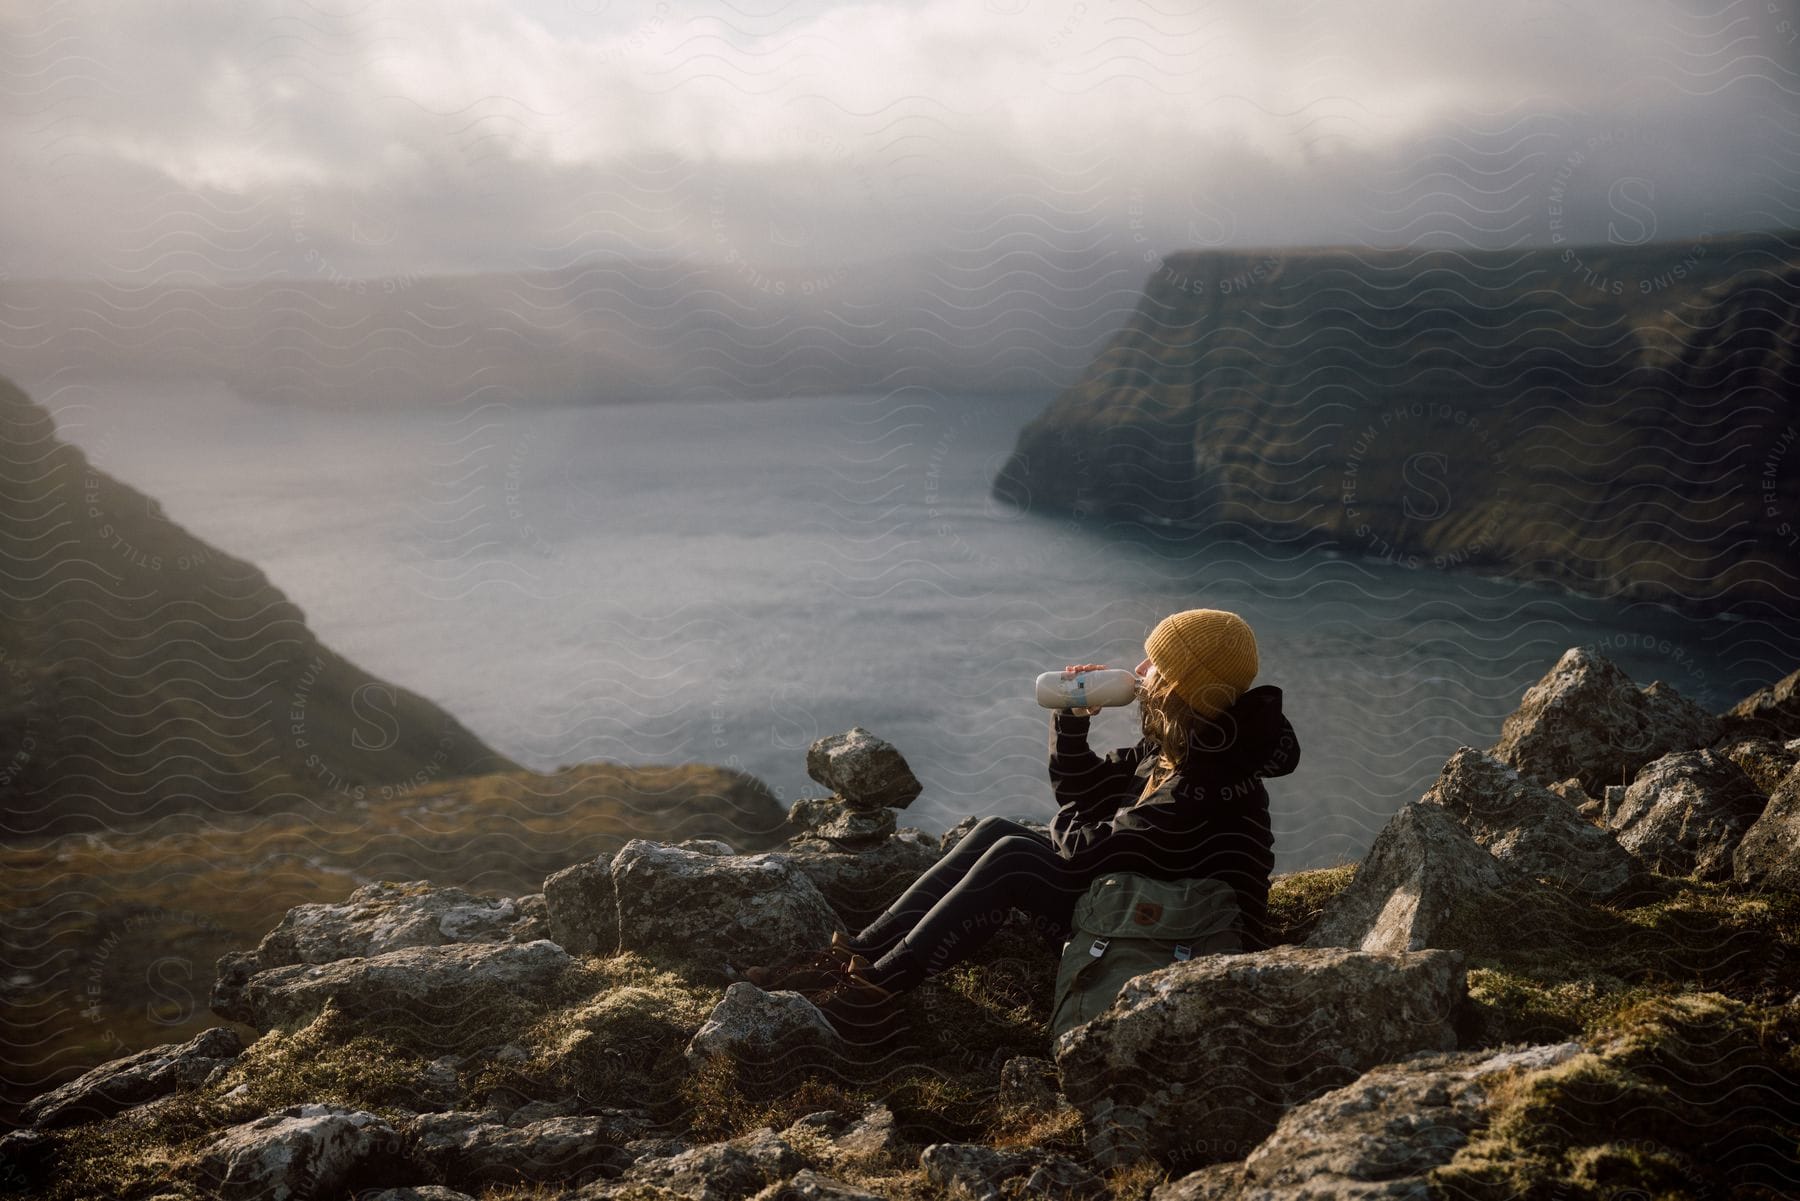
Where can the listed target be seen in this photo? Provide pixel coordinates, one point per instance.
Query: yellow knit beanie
(1209, 653)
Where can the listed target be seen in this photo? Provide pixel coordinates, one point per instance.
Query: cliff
(1619, 420)
(149, 673)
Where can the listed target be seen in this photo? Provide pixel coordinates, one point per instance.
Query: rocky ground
(1568, 970)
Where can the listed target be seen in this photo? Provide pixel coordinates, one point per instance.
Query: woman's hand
(1070, 671)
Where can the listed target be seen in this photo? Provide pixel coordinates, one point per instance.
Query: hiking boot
(861, 1012)
(810, 972)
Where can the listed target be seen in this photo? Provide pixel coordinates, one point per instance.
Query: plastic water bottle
(1087, 689)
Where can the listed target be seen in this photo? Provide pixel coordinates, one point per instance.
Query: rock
(836, 821)
(1585, 718)
(534, 918)
(860, 884)
(866, 771)
(1571, 791)
(745, 908)
(1615, 796)
(26, 1157)
(388, 916)
(1377, 1137)
(716, 1172)
(1769, 855)
(1058, 1176)
(1773, 712)
(1195, 1062)
(231, 974)
(539, 1111)
(981, 1172)
(1764, 760)
(584, 913)
(811, 812)
(304, 1151)
(377, 918)
(419, 1192)
(474, 1148)
(753, 1026)
(1029, 1080)
(420, 980)
(1529, 828)
(1215, 1182)
(706, 846)
(808, 1185)
(872, 1139)
(1423, 867)
(1686, 813)
(135, 1079)
(949, 838)
(971, 1169)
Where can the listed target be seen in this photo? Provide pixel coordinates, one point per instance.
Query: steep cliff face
(147, 673)
(1620, 420)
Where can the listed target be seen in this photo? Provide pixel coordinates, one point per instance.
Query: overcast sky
(237, 139)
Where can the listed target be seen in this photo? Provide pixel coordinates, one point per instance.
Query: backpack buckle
(1183, 952)
(1099, 947)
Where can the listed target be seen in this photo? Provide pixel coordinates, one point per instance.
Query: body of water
(727, 581)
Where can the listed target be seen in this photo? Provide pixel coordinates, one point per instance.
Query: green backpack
(1127, 924)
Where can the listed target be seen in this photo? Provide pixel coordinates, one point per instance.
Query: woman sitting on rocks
(1186, 801)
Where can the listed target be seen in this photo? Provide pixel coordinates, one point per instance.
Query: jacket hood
(1253, 736)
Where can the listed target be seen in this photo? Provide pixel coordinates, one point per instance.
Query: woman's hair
(1168, 720)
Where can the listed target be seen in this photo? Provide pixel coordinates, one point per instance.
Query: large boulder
(1423, 867)
(433, 983)
(1194, 1063)
(388, 916)
(1686, 813)
(1586, 718)
(375, 919)
(1377, 1137)
(306, 1151)
(584, 912)
(1529, 828)
(135, 1079)
(745, 908)
(866, 771)
(473, 1149)
(1769, 854)
(751, 1026)
(860, 884)
(1773, 712)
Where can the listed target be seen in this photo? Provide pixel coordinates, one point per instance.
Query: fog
(230, 139)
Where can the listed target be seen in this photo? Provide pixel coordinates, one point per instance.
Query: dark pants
(957, 904)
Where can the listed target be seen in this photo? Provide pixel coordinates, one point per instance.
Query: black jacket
(1211, 818)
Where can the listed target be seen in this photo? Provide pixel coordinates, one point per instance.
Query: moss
(617, 1036)
(1135, 1182)
(1298, 899)
(330, 1060)
(724, 1099)
(132, 1155)
(1681, 1095)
